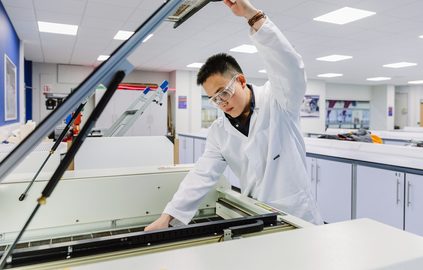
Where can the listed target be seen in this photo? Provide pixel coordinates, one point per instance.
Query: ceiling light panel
(244, 49)
(344, 15)
(400, 65)
(421, 36)
(58, 28)
(195, 65)
(334, 58)
(330, 75)
(416, 82)
(262, 71)
(378, 79)
(123, 35)
(102, 57)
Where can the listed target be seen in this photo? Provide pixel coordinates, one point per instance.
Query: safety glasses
(225, 94)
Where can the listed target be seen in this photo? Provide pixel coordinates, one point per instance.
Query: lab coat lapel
(253, 120)
(231, 129)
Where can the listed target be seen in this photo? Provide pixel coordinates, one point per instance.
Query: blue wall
(9, 44)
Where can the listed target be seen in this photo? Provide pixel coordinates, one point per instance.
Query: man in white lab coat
(259, 136)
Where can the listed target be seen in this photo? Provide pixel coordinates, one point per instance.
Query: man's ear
(242, 80)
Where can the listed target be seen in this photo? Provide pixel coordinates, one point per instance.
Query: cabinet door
(311, 170)
(186, 149)
(414, 204)
(380, 195)
(333, 192)
(199, 147)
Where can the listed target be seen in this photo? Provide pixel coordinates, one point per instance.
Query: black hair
(221, 63)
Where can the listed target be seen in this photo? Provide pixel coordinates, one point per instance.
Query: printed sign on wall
(10, 90)
(182, 102)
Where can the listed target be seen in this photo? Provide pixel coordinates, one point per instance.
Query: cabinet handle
(317, 173)
(408, 194)
(312, 172)
(398, 198)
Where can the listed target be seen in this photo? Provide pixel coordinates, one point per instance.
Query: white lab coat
(270, 162)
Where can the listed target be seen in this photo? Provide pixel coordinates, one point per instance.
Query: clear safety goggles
(225, 94)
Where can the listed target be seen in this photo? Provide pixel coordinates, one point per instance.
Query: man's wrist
(167, 217)
(249, 14)
(258, 17)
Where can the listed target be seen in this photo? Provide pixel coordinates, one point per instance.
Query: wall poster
(182, 102)
(310, 106)
(10, 90)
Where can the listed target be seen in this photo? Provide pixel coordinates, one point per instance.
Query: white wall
(337, 91)
(415, 97)
(187, 120)
(61, 79)
(256, 81)
(383, 97)
(401, 110)
(141, 76)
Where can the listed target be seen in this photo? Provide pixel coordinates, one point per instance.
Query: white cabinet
(331, 186)
(380, 195)
(414, 204)
(186, 149)
(311, 170)
(333, 192)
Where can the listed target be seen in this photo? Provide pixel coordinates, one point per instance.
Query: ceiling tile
(125, 3)
(20, 14)
(27, 30)
(17, 3)
(64, 6)
(33, 52)
(107, 11)
(58, 17)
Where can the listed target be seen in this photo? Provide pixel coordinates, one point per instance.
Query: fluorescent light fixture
(330, 75)
(244, 48)
(123, 35)
(195, 65)
(416, 82)
(378, 79)
(147, 38)
(58, 28)
(400, 65)
(334, 58)
(421, 36)
(262, 71)
(344, 15)
(103, 57)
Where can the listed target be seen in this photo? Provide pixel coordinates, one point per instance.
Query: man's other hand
(241, 8)
(161, 223)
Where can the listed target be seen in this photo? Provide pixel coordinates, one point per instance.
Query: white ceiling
(389, 36)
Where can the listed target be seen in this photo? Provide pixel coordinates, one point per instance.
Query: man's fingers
(229, 3)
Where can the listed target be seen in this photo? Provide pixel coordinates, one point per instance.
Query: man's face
(236, 104)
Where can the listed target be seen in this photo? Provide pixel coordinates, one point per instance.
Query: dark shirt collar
(237, 123)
